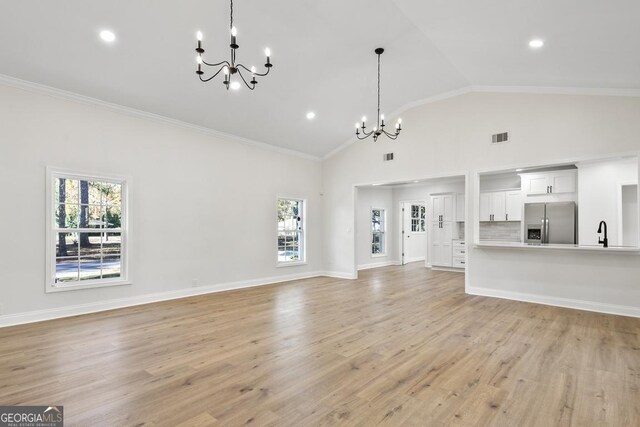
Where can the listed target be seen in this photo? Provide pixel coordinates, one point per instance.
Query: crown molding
(537, 90)
(75, 97)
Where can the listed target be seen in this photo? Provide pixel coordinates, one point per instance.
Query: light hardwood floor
(399, 346)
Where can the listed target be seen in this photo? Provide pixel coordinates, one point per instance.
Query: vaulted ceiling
(322, 52)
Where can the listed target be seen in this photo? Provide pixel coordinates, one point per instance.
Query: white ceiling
(322, 54)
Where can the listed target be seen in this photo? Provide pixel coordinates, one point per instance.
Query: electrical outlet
(194, 283)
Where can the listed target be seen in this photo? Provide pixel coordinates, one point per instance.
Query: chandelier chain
(378, 90)
(231, 18)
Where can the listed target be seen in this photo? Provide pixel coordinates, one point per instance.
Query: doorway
(413, 231)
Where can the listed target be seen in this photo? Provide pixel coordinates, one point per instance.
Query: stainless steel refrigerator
(550, 223)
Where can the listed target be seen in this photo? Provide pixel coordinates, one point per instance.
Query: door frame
(401, 227)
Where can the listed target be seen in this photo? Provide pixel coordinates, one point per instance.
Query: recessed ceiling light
(235, 85)
(107, 36)
(311, 115)
(416, 181)
(536, 43)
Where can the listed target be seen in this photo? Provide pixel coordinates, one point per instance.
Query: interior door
(415, 236)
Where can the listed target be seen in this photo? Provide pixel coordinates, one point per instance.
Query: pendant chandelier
(378, 130)
(231, 68)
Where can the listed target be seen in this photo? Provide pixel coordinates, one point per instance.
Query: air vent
(387, 157)
(500, 138)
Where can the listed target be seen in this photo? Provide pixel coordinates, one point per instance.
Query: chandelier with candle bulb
(379, 129)
(231, 70)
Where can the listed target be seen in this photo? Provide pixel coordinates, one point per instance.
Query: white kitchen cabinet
(513, 205)
(441, 244)
(459, 259)
(493, 206)
(460, 207)
(443, 207)
(556, 182)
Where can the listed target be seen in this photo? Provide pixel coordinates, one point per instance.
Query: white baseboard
(376, 265)
(94, 307)
(339, 275)
(450, 269)
(622, 310)
(416, 259)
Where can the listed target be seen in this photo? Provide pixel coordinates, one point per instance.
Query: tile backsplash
(500, 231)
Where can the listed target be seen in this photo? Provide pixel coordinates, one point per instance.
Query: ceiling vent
(387, 157)
(500, 138)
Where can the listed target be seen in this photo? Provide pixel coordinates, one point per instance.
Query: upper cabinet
(556, 182)
(501, 206)
(443, 207)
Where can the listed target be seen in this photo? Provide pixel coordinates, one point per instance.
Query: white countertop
(592, 248)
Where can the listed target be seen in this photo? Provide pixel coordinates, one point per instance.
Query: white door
(485, 206)
(414, 247)
(498, 206)
(514, 205)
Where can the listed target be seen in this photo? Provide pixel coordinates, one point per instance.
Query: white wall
(201, 207)
(368, 198)
(599, 197)
(453, 136)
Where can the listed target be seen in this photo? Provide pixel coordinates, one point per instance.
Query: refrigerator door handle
(543, 232)
(546, 229)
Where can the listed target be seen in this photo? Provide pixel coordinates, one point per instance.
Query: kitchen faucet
(604, 241)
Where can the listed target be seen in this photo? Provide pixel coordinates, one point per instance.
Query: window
(378, 228)
(290, 231)
(86, 231)
(418, 218)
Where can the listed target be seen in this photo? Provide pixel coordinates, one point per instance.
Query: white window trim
(384, 232)
(303, 261)
(125, 265)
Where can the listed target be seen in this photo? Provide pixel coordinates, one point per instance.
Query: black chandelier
(379, 128)
(230, 68)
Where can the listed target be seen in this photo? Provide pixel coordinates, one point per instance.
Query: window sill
(89, 285)
(378, 255)
(290, 264)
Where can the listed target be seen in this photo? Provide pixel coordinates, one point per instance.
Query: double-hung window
(86, 231)
(291, 238)
(378, 230)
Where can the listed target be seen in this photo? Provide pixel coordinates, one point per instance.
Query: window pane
(112, 244)
(95, 193)
(67, 216)
(90, 244)
(111, 193)
(113, 218)
(111, 266)
(67, 244)
(90, 268)
(66, 269)
(65, 191)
